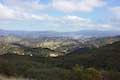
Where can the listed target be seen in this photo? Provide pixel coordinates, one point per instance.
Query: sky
(60, 15)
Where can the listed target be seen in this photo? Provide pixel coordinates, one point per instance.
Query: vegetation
(29, 67)
(89, 64)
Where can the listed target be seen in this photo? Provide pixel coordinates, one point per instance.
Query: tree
(91, 74)
(86, 74)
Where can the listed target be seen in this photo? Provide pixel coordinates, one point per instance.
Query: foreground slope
(107, 57)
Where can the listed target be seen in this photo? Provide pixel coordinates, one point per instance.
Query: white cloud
(77, 5)
(39, 6)
(60, 5)
(74, 18)
(25, 5)
(26, 9)
(5, 12)
(115, 18)
(106, 26)
(116, 10)
(18, 14)
(15, 11)
(76, 22)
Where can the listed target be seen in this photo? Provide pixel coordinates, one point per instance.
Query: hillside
(50, 45)
(103, 61)
(23, 50)
(107, 57)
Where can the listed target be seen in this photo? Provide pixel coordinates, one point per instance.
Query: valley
(83, 58)
(57, 46)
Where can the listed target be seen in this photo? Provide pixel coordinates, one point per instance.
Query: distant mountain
(30, 34)
(77, 34)
(97, 33)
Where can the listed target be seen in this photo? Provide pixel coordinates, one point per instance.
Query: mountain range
(77, 34)
(38, 44)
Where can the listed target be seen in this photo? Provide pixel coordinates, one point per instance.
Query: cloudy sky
(60, 15)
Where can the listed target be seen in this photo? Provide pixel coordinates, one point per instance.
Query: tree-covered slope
(107, 57)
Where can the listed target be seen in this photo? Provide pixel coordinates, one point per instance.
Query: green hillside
(107, 57)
